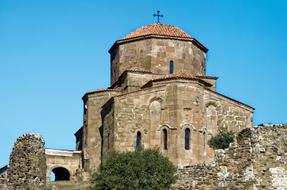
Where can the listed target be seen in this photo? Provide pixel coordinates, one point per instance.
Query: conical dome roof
(159, 30)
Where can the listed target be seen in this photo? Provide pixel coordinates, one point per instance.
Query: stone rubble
(257, 160)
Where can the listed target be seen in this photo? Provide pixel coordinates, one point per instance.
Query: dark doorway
(60, 174)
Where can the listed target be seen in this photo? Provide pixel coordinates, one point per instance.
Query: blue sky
(52, 52)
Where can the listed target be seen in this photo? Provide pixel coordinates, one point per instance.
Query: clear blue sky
(53, 51)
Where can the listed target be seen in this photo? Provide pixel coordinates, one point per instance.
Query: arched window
(171, 67)
(187, 139)
(138, 140)
(60, 174)
(164, 139)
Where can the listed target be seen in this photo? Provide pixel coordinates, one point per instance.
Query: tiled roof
(100, 90)
(178, 75)
(158, 29)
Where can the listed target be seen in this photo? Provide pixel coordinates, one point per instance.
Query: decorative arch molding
(187, 125)
(211, 103)
(203, 129)
(188, 134)
(165, 126)
(206, 132)
(155, 98)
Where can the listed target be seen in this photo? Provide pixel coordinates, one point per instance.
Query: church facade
(159, 98)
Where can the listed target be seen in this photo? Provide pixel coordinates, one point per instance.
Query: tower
(159, 49)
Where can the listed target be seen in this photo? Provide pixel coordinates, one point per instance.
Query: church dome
(158, 30)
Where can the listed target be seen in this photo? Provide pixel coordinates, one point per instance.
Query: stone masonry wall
(92, 139)
(3, 184)
(257, 160)
(174, 106)
(154, 55)
(185, 55)
(134, 55)
(27, 167)
(70, 160)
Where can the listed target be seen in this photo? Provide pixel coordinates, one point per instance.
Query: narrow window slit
(171, 67)
(139, 141)
(164, 139)
(187, 139)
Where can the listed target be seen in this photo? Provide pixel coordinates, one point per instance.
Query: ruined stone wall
(27, 167)
(155, 55)
(3, 178)
(269, 150)
(257, 160)
(3, 184)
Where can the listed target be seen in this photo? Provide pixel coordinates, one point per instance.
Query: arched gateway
(62, 164)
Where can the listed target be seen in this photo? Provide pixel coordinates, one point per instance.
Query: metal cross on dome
(158, 16)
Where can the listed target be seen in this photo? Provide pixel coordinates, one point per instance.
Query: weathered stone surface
(69, 185)
(174, 105)
(3, 178)
(256, 161)
(154, 55)
(3, 184)
(68, 159)
(146, 97)
(27, 167)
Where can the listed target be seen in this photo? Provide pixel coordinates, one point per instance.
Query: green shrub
(145, 169)
(222, 139)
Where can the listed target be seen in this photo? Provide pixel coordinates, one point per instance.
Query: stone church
(159, 98)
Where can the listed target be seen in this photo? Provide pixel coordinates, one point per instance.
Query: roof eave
(193, 40)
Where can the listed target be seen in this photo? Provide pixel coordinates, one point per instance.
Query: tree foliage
(222, 139)
(145, 169)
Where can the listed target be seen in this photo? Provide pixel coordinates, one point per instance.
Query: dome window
(171, 67)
